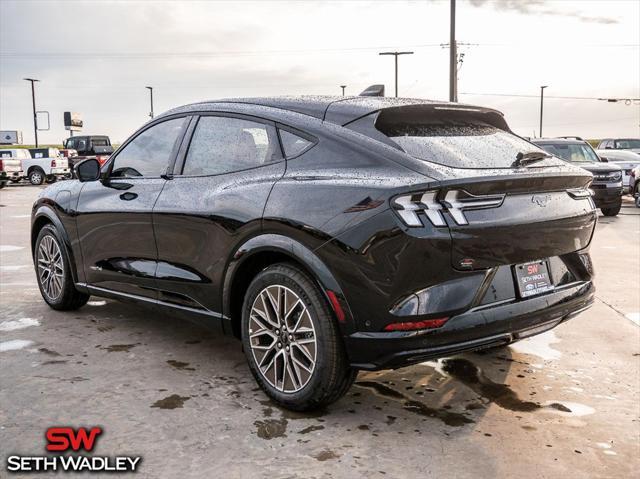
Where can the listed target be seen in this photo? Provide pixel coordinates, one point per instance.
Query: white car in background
(38, 170)
(627, 160)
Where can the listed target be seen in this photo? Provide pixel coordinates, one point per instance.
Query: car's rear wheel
(36, 176)
(613, 211)
(53, 272)
(291, 340)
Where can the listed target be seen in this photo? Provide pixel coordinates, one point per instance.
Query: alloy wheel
(50, 267)
(282, 338)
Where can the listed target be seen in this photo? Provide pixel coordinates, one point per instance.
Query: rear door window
(223, 145)
(461, 145)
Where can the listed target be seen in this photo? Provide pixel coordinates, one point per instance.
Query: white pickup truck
(10, 169)
(38, 170)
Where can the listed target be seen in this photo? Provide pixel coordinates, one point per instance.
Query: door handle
(128, 196)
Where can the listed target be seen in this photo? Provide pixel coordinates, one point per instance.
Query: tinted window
(222, 145)
(149, 152)
(461, 145)
(99, 142)
(627, 144)
(293, 144)
(573, 152)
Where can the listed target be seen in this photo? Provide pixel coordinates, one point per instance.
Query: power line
(514, 95)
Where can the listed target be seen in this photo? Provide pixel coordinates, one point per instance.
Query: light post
(541, 105)
(150, 88)
(396, 55)
(33, 103)
(343, 87)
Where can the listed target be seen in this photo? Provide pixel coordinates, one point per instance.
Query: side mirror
(606, 160)
(88, 170)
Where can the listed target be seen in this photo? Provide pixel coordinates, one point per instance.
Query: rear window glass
(293, 144)
(460, 145)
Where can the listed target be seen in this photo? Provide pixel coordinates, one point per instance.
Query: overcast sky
(96, 57)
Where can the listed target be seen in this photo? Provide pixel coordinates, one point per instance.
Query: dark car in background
(329, 234)
(607, 177)
(88, 146)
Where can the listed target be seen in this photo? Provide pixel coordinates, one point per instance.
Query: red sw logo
(532, 269)
(65, 438)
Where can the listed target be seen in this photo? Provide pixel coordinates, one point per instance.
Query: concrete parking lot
(563, 404)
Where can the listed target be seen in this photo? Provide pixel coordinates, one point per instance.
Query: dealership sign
(69, 440)
(72, 121)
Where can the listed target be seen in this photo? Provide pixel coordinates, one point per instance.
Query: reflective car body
(417, 259)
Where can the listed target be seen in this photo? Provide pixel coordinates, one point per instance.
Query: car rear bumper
(479, 328)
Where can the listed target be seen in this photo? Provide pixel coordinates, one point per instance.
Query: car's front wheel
(613, 211)
(53, 272)
(292, 341)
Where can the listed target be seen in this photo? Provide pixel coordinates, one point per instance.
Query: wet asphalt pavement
(563, 404)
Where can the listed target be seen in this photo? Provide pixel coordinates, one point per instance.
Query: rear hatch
(499, 210)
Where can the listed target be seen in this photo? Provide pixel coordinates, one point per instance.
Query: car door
(114, 215)
(213, 203)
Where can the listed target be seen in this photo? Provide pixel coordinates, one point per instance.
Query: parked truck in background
(38, 170)
(89, 146)
(10, 170)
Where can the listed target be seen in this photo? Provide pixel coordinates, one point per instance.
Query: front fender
(44, 211)
(298, 252)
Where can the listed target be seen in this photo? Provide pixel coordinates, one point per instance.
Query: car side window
(293, 144)
(149, 153)
(223, 145)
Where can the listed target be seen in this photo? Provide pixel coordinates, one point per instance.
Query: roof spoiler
(373, 90)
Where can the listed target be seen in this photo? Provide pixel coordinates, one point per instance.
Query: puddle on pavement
(539, 345)
(179, 365)
(18, 324)
(271, 428)
(117, 348)
(326, 455)
(171, 402)
(452, 419)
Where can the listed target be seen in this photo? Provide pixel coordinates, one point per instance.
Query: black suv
(330, 235)
(607, 177)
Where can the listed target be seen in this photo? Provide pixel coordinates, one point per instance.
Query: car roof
(557, 141)
(335, 109)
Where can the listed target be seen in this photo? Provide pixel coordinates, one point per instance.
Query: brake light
(1, 165)
(413, 325)
(53, 163)
(455, 202)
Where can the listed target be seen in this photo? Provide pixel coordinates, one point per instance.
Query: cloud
(540, 7)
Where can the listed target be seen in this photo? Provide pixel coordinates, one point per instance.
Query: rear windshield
(99, 142)
(574, 152)
(461, 145)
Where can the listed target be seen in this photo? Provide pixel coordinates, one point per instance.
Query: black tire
(69, 298)
(332, 375)
(613, 211)
(3, 184)
(36, 176)
(51, 179)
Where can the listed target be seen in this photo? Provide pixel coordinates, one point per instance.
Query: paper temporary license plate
(533, 278)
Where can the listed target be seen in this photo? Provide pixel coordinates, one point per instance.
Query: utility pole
(150, 88)
(396, 54)
(33, 103)
(541, 106)
(343, 87)
(453, 56)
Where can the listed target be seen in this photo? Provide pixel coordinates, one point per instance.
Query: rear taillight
(413, 325)
(1, 165)
(432, 205)
(53, 163)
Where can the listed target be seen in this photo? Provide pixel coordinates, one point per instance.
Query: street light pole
(33, 103)
(150, 88)
(396, 54)
(541, 106)
(343, 87)
(453, 56)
